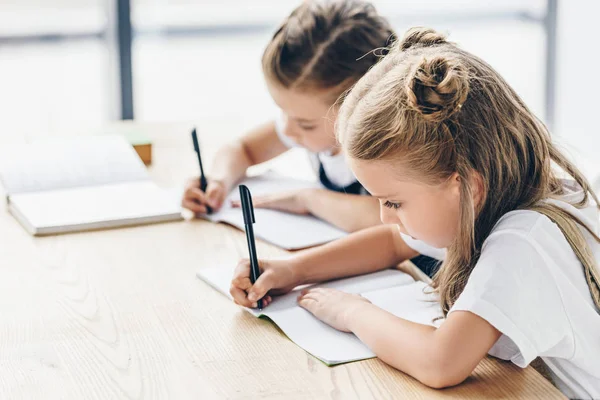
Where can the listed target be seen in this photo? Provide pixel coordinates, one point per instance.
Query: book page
(61, 163)
(288, 231)
(414, 302)
(91, 205)
(317, 338)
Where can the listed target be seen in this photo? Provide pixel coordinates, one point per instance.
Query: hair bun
(437, 87)
(420, 36)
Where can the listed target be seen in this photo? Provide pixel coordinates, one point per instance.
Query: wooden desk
(120, 314)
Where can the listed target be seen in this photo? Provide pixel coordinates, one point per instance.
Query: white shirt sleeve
(513, 289)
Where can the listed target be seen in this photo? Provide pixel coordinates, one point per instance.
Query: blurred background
(82, 63)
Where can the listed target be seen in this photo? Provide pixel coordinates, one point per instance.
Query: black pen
(203, 182)
(248, 211)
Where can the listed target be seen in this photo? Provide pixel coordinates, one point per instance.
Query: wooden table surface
(120, 314)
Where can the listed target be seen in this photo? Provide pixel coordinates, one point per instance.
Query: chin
(433, 243)
(437, 245)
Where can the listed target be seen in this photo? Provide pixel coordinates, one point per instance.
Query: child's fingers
(261, 287)
(242, 289)
(196, 195)
(266, 301)
(242, 270)
(309, 295)
(265, 201)
(257, 202)
(307, 303)
(318, 291)
(215, 195)
(239, 296)
(243, 283)
(193, 206)
(193, 183)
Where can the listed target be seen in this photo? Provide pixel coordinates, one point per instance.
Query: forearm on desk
(359, 253)
(348, 212)
(438, 357)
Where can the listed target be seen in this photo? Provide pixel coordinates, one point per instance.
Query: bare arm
(348, 212)
(259, 145)
(230, 165)
(362, 252)
(437, 357)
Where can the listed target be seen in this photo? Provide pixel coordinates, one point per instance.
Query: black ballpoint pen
(203, 181)
(248, 211)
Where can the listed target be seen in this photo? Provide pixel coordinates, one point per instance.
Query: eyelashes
(394, 206)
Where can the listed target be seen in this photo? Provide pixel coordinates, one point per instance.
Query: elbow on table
(443, 372)
(441, 379)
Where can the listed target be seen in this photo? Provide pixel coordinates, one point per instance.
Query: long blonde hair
(440, 110)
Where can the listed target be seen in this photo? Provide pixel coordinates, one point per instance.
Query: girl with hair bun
(458, 162)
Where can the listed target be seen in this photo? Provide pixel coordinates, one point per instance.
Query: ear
(477, 188)
(455, 181)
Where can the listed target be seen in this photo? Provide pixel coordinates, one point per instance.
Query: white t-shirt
(529, 284)
(334, 166)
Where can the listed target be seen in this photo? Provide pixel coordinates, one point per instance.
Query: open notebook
(288, 231)
(74, 184)
(392, 290)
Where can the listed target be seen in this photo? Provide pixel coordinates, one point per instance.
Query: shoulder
(527, 230)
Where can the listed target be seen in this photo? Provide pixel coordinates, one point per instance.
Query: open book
(285, 230)
(73, 184)
(392, 290)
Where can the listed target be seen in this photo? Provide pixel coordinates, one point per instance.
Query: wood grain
(119, 314)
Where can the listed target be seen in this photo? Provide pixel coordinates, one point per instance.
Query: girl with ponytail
(464, 172)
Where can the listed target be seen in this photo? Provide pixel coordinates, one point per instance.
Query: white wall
(578, 83)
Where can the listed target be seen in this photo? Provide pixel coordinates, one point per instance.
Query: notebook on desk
(285, 230)
(392, 290)
(83, 183)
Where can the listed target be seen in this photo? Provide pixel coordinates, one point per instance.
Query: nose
(388, 216)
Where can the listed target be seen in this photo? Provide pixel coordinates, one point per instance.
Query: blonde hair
(439, 110)
(326, 45)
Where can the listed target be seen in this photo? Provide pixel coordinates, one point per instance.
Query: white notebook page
(60, 163)
(289, 231)
(85, 205)
(390, 289)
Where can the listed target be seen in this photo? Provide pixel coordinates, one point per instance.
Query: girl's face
(426, 212)
(309, 118)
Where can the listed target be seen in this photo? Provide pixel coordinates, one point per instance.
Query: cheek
(434, 222)
(448, 216)
(319, 139)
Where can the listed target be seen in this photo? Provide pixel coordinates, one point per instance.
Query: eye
(389, 204)
(308, 127)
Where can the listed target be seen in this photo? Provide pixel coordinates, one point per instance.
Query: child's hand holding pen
(196, 200)
(200, 196)
(277, 277)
